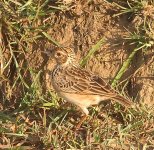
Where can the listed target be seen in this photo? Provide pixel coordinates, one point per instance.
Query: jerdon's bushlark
(79, 86)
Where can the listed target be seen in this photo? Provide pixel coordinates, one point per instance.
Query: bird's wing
(80, 81)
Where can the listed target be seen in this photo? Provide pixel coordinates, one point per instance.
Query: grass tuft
(143, 36)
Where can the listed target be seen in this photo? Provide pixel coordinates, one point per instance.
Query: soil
(80, 27)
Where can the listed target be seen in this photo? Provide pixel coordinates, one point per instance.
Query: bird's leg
(81, 121)
(86, 112)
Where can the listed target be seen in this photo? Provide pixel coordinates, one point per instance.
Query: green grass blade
(50, 39)
(125, 66)
(94, 48)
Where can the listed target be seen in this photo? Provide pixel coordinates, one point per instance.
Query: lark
(79, 86)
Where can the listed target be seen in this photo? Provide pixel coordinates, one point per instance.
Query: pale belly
(81, 100)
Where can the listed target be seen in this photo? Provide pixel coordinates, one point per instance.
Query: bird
(79, 86)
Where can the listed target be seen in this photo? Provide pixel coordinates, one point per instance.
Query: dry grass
(33, 119)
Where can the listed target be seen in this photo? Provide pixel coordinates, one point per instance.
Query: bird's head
(64, 56)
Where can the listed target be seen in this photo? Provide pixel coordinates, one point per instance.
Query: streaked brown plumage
(79, 86)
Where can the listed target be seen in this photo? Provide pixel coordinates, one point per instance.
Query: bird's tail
(122, 100)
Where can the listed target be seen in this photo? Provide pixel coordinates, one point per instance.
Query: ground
(114, 39)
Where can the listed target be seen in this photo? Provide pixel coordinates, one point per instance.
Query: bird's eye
(58, 54)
